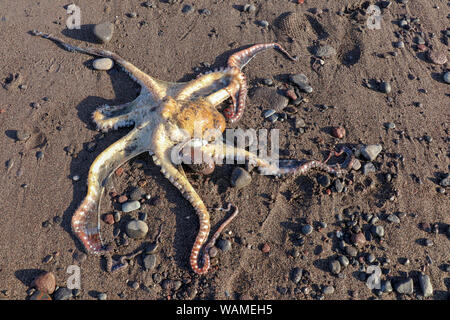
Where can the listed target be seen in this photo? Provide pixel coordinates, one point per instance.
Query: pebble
(76, 178)
(45, 282)
(102, 296)
(104, 31)
(131, 206)
(368, 168)
(268, 113)
(136, 229)
(390, 125)
(334, 267)
(328, 290)
(324, 180)
(378, 230)
(437, 57)
(359, 239)
(325, 51)
(356, 164)
(386, 286)
(39, 155)
(22, 135)
(301, 81)
(419, 40)
(80, 256)
(263, 23)
(224, 245)
(351, 251)
(187, 9)
(307, 229)
(446, 77)
(343, 260)
(399, 44)
(370, 258)
(338, 185)
(63, 293)
(371, 151)
(249, 8)
(102, 64)
(393, 218)
(240, 178)
(299, 123)
(265, 248)
(296, 275)
(385, 87)
(116, 216)
(405, 286)
(108, 218)
(38, 295)
(338, 132)
(425, 285)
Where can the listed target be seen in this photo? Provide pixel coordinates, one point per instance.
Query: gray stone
(224, 245)
(378, 230)
(328, 290)
(22, 135)
(445, 182)
(63, 293)
(102, 64)
(102, 296)
(425, 285)
(301, 81)
(386, 286)
(385, 87)
(296, 275)
(446, 77)
(338, 185)
(343, 260)
(393, 218)
(136, 229)
(324, 180)
(334, 267)
(268, 113)
(369, 168)
(104, 31)
(405, 286)
(240, 178)
(131, 206)
(351, 251)
(307, 229)
(371, 151)
(325, 51)
(150, 261)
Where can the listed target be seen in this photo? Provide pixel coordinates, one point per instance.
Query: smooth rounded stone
(213, 251)
(269, 98)
(240, 178)
(268, 113)
(63, 293)
(338, 185)
(131, 206)
(116, 216)
(263, 23)
(324, 180)
(446, 77)
(393, 218)
(428, 243)
(224, 245)
(356, 165)
(419, 40)
(386, 286)
(343, 260)
(299, 123)
(80, 256)
(334, 267)
(102, 296)
(103, 64)
(338, 132)
(403, 23)
(296, 274)
(370, 152)
(328, 290)
(385, 87)
(249, 8)
(307, 229)
(325, 51)
(425, 285)
(437, 57)
(39, 155)
(370, 258)
(273, 118)
(22, 135)
(136, 229)
(405, 286)
(45, 282)
(389, 125)
(359, 239)
(399, 44)
(76, 178)
(150, 261)
(445, 182)
(351, 251)
(369, 168)
(104, 31)
(378, 230)
(39, 295)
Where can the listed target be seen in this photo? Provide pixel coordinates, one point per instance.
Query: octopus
(169, 118)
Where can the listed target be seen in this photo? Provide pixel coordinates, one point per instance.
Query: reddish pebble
(39, 295)
(108, 218)
(45, 283)
(300, 1)
(359, 239)
(291, 94)
(328, 191)
(338, 132)
(119, 171)
(421, 47)
(122, 199)
(265, 248)
(2, 110)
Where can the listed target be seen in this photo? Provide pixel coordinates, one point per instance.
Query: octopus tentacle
(157, 88)
(241, 58)
(85, 221)
(112, 117)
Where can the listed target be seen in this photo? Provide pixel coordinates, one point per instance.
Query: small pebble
(240, 178)
(102, 296)
(136, 229)
(265, 248)
(76, 178)
(393, 218)
(425, 285)
(249, 8)
(338, 132)
(296, 274)
(103, 64)
(45, 282)
(385, 87)
(104, 31)
(446, 77)
(351, 251)
(399, 44)
(268, 113)
(437, 57)
(405, 286)
(368, 168)
(116, 216)
(324, 180)
(38, 295)
(334, 267)
(338, 185)
(378, 230)
(187, 9)
(307, 229)
(370, 152)
(63, 293)
(328, 290)
(263, 23)
(224, 245)
(131, 206)
(22, 135)
(343, 260)
(137, 194)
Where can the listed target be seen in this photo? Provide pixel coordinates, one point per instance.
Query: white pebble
(103, 64)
